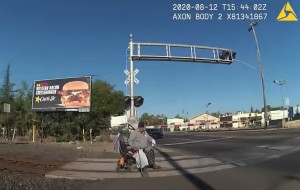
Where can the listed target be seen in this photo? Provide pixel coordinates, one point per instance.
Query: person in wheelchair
(141, 139)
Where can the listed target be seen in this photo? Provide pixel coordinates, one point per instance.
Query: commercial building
(204, 120)
(294, 112)
(175, 121)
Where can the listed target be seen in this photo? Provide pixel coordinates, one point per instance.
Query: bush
(21, 138)
(103, 138)
(28, 135)
(50, 139)
(65, 138)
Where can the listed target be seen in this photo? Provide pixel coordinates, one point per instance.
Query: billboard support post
(3, 132)
(91, 139)
(14, 133)
(83, 135)
(33, 132)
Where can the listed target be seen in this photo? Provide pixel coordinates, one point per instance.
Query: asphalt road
(231, 146)
(261, 159)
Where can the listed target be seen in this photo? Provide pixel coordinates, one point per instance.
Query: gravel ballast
(15, 180)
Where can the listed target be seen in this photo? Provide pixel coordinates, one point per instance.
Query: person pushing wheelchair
(141, 139)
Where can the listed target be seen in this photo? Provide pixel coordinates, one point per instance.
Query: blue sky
(45, 39)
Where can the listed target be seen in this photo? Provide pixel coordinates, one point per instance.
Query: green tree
(106, 101)
(256, 111)
(6, 91)
(270, 108)
(216, 114)
(21, 109)
(153, 120)
(7, 96)
(178, 116)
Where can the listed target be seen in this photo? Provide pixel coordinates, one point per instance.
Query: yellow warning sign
(287, 13)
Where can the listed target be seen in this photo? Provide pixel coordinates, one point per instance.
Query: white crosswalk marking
(192, 142)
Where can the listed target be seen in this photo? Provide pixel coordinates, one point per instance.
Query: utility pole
(252, 28)
(281, 83)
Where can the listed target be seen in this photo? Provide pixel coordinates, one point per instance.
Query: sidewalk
(99, 169)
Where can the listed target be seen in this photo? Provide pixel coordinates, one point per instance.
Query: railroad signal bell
(138, 101)
(227, 55)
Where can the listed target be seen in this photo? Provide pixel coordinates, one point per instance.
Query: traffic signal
(232, 55)
(223, 55)
(138, 101)
(227, 55)
(127, 102)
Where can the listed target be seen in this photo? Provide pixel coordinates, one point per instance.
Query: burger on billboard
(68, 94)
(75, 93)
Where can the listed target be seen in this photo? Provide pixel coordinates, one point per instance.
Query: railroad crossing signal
(126, 72)
(136, 80)
(218, 56)
(136, 71)
(138, 101)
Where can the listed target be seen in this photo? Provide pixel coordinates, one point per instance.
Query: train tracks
(29, 165)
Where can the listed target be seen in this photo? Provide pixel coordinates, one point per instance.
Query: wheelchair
(126, 162)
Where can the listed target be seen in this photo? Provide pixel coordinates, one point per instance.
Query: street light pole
(207, 126)
(252, 28)
(281, 83)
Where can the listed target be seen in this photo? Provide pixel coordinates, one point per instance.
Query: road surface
(260, 159)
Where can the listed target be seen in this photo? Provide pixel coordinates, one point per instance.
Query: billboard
(67, 94)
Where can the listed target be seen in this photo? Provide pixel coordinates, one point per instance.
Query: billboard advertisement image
(68, 94)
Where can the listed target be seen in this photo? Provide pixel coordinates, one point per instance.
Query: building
(255, 119)
(204, 120)
(241, 120)
(172, 123)
(234, 120)
(278, 114)
(118, 120)
(175, 121)
(294, 112)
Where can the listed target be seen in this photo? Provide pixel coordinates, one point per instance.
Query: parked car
(155, 133)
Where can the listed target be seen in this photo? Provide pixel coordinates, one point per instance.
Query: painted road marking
(275, 147)
(193, 142)
(183, 139)
(262, 146)
(281, 147)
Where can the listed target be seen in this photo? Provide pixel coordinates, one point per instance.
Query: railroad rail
(40, 167)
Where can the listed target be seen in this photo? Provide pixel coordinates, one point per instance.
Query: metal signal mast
(193, 54)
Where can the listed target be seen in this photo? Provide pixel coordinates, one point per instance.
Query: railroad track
(29, 165)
